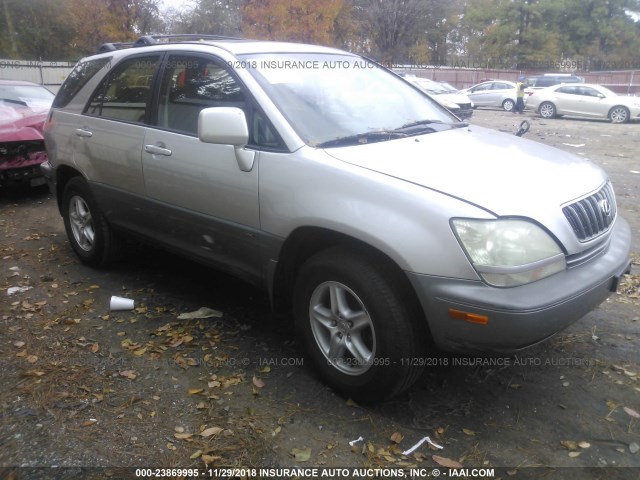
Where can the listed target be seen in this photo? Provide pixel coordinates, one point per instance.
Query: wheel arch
(64, 173)
(305, 242)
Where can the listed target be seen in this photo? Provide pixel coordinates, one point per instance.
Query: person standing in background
(519, 108)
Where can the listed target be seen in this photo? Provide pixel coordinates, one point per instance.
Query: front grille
(593, 215)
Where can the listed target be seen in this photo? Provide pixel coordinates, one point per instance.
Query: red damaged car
(23, 109)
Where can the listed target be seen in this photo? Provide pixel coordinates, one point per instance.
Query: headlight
(507, 253)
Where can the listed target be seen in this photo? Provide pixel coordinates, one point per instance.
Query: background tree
(216, 17)
(309, 21)
(533, 35)
(35, 29)
(111, 21)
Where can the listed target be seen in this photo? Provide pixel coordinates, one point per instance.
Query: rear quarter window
(78, 78)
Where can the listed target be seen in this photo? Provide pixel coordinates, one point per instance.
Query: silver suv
(383, 223)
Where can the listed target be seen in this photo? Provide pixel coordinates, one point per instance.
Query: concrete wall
(49, 74)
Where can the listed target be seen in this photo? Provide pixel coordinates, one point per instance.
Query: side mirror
(223, 125)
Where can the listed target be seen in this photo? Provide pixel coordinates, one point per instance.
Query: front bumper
(521, 316)
(22, 169)
(48, 172)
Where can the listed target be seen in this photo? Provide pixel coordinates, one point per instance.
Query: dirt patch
(85, 387)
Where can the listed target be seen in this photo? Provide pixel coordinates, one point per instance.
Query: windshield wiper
(11, 100)
(418, 123)
(413, 128)
(360, 138)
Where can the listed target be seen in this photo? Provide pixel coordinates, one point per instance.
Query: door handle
(156, 150)
(82, 132)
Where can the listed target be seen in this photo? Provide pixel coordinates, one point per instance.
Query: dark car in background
(23, 110)
(537, 82)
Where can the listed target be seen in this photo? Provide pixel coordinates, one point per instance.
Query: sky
(177, 4)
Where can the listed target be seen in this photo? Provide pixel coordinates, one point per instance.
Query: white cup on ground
(120, 303)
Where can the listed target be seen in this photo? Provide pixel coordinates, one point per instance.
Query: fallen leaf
(195, 454)
(396, 437)
(171, 446)
(32, 359)
(569, 444)
(265, 369)
(351, 403)
(210, 431)
(88, 423)
(130, 374)
(446, 462)
(301, 454)
(195, 391)
(203, 312)
(574, 454)
(469, 432)
(18, 344)
(584, 444)
(208, 459)
(183, 436)
(95, 347)
(139, 352)
(634, 447)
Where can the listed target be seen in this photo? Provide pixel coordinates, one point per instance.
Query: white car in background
(459, 103)
(493, 93)
(584, 100)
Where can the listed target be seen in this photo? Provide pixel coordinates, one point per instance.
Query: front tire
(547, 110)
(89, 233)
(357, 324)
(619, 114)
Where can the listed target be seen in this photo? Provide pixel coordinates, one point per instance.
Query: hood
(18, 123)
(495, 171)
(458, 98)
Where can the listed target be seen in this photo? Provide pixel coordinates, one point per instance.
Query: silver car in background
(584, 100)
(493, 93)
(458, 103)
(380, 221)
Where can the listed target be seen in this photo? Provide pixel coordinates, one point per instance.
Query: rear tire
(508, 105)
(357, 324)
(89, 233)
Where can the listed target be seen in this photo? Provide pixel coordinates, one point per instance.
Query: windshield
(430, 86)
(329, 97)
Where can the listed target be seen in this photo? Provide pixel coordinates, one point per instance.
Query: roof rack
(146, 40)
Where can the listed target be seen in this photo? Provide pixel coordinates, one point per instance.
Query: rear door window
(78, 78)
(126, 92)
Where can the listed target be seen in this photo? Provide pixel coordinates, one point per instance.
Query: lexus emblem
(605, 207)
